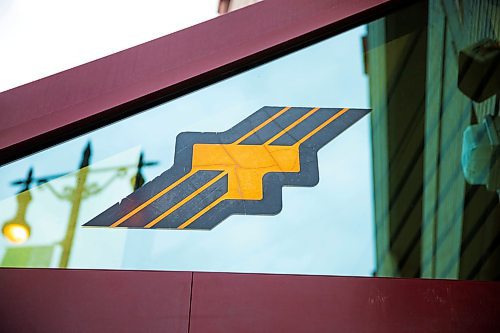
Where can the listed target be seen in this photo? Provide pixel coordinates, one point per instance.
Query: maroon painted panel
(49, 300)
(273, 303)
(46, 300)
(46, 111)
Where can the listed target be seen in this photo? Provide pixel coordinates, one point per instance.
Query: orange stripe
(261, 125)
(183, 201)
(149, 201)
(201, 212)
(292, 125)
(317, 129)
(310, 134)
(158, 195)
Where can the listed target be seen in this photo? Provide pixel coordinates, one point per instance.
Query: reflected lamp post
(17, 230)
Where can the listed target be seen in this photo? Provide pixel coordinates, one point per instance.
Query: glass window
(314, 225)
(408, 190)
(435, 194)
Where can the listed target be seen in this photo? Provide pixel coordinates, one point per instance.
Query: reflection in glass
(73, 189)
(315, 225)
(392, 199)
(430, 221)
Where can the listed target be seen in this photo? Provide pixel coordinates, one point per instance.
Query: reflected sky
(327, 229)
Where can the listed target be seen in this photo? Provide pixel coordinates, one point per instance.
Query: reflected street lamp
(17, 230)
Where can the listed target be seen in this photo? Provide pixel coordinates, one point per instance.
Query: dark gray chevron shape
(272, 182)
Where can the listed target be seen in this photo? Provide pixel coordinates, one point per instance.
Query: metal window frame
(48, 111)
(42, 113)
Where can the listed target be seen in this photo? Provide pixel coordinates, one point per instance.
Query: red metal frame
(53, 109)
(136, 301)
(50, 110)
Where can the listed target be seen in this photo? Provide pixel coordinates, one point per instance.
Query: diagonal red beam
(50, 110)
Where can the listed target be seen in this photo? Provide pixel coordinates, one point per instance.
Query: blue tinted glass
(325, 229)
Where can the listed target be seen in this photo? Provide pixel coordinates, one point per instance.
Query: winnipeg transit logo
(240, 171)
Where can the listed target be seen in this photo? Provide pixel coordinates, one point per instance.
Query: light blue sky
(327, 229)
